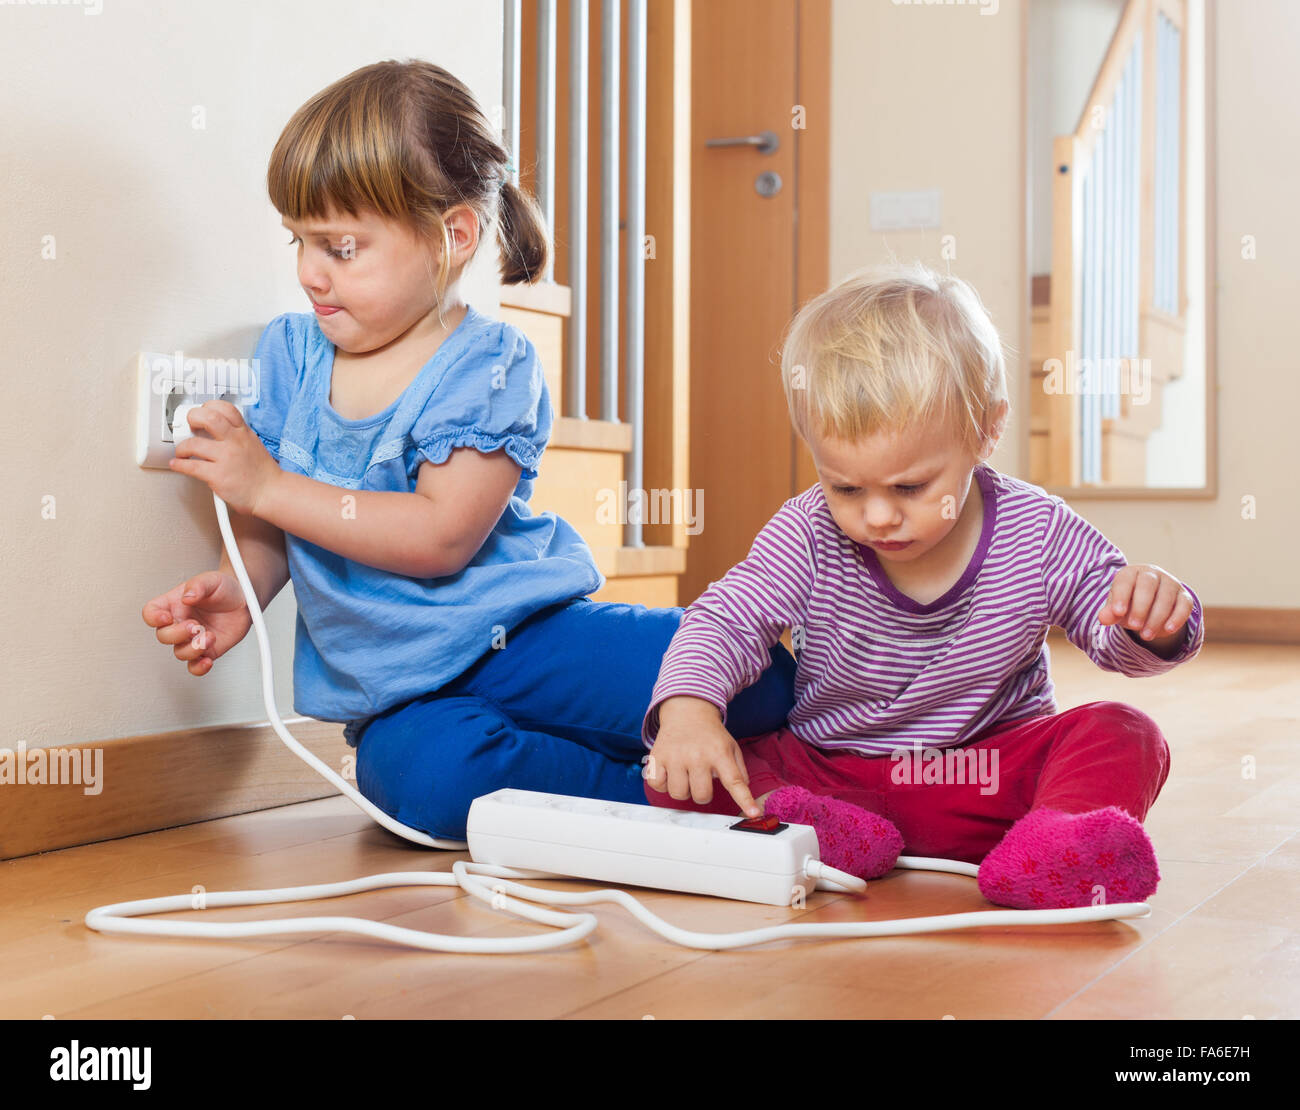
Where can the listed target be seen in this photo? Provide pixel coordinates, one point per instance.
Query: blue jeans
(558, 709)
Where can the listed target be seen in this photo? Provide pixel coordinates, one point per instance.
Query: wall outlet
(165, 382)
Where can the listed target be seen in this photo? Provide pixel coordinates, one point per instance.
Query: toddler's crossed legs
(1056, 823)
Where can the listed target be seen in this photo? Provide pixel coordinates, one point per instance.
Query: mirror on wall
(1119, 245)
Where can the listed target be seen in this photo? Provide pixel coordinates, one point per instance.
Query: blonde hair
(407, 141)
(890, 349)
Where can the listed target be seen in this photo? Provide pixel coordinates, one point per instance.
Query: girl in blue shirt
(386, 465)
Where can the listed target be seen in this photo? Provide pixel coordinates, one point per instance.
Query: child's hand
(230, 459)
(1148, 598)
(691, 749)
(205, 626)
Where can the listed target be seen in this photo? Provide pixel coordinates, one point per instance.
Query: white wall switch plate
(164, 382)
(905, 211)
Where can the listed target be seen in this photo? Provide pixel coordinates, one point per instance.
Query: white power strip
(642, 845)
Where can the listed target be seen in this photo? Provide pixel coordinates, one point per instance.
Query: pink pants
(1104, 753)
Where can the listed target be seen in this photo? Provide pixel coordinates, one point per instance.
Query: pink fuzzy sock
(1049, 859)
(851, 839)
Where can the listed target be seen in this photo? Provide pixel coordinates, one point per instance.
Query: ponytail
(525, 245)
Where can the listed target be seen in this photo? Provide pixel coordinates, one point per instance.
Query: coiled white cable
(473, 878)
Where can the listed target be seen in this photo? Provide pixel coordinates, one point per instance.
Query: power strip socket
(640, 845)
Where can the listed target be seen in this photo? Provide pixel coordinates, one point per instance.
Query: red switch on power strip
(765, 824)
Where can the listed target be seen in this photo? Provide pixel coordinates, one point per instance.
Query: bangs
(341, 151)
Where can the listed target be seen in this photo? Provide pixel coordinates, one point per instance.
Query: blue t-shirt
(368, 639)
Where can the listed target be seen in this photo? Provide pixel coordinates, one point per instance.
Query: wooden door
(756, 256)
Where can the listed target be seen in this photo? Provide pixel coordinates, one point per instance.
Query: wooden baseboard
(1227, 625)
(162, 780)
(1252, 626)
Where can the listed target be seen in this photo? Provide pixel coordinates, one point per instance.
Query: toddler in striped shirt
(919, 584)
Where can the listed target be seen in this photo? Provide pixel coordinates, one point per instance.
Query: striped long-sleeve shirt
(878, 670)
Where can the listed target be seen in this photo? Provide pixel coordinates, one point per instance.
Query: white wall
(164, 239)
(929, 96)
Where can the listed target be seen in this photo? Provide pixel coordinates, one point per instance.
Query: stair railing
(632, 329)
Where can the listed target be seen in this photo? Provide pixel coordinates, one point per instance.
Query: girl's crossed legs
(557, 709)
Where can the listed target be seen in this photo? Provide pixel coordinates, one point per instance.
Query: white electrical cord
(472, 877)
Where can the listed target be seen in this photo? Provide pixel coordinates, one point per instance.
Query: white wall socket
(165, 382)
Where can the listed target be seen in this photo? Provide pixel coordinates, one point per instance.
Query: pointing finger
(738, 788)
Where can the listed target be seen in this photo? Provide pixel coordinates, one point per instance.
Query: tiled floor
(1223, 939)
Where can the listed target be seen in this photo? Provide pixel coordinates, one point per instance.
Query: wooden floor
(1223, 940)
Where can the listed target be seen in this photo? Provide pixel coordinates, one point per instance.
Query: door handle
(765, 142)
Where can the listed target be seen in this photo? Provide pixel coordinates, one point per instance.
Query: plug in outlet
(165, 382)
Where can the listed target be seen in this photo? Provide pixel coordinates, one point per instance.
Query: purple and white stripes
(878, 670)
